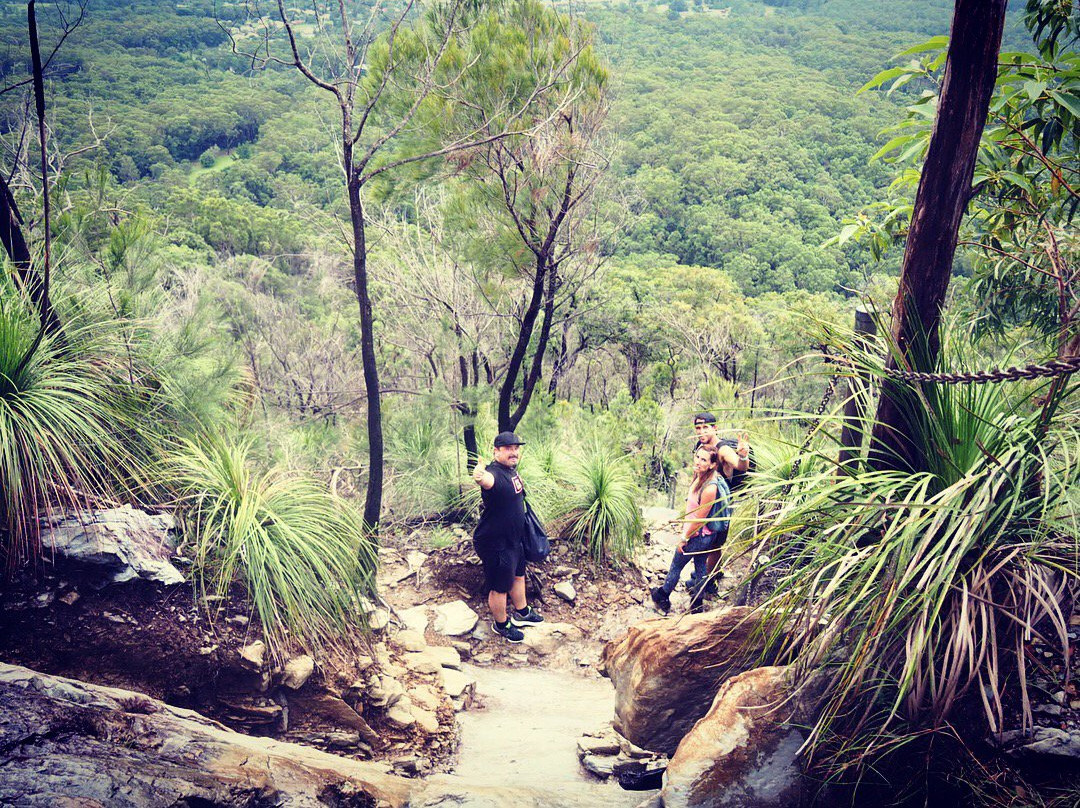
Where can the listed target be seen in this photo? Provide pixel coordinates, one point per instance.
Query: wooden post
(855, 409)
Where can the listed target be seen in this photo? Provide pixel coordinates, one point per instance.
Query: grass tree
(915, 594)
(69, 433)
(299, 552)
(604, 515)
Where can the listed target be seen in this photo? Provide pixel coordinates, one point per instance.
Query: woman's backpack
(720, 512)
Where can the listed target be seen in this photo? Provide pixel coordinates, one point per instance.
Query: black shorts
(501, 567)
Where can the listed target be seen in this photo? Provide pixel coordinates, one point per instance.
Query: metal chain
(825, 399)
(1055, 367)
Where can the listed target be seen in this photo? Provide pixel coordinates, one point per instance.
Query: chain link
(825, 399)
(1056, 367)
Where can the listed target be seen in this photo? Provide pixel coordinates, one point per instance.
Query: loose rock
(1048, 743)
(386, 691)
(544, 638)
(608, 745)
(446, 657)
(427, 720)
(455, 618)
(401, 713)
(565, 590)
(253, 656)
(456, 683)
(415, 619)
(410, 640)
(378, 620)
(423, 662)
(120, 544)
(601, 766)
(297, 671)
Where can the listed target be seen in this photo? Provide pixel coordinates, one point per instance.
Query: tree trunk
(940, 203)
(472, 451)
(562, 356)
(541, 349)
(851, 436)
(468, 434)
(373, 501)
(29, 282)
(635, 370)
(11, 236)
(517, 359)
(65, 742)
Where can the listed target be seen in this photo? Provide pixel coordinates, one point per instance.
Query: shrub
(66, 437)
(300, 552)
(604, 511)
(914, 593)
(428, 476)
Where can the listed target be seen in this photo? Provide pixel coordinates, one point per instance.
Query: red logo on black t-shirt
(518, 487)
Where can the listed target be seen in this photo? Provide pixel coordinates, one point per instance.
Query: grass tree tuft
(301, 553)
(67, 440)
(604, 506)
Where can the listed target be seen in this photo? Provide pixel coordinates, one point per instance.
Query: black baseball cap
(704, 418)
(508, 439)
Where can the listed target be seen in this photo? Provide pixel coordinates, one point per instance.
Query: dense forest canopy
(735, 147)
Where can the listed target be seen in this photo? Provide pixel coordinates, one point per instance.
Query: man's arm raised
(483, 478)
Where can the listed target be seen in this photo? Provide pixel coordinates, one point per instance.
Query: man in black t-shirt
(734, 454)
(498, 538)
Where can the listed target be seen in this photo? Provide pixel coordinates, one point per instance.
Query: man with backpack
(735, 454)
(498, 539)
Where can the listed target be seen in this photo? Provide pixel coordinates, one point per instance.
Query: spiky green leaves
(300, 552)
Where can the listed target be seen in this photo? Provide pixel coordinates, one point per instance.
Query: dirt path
(532, 708)
(524, 734)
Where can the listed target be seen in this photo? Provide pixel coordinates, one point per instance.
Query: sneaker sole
(508, 639)
(524, 623)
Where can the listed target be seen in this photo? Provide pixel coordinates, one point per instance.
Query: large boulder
(64, 742)
(745, 752)
(115, 545)
(68, 743)
(667, 671)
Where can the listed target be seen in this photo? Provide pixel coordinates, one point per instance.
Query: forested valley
(285, 270)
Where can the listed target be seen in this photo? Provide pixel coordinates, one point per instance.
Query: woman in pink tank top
(696, 539)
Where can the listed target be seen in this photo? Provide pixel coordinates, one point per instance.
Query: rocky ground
(434, 697)
(113, 607)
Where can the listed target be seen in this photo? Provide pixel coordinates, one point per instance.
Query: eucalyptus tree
(940, 204)
(538, 188)
(33, 273)
(387, 68)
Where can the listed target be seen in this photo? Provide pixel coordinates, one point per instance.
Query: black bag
(534, 541)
